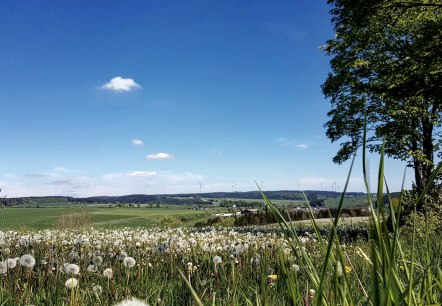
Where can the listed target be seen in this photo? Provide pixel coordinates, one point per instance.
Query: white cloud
(137, 142)
(160, 156)
(60, 169)
(38, 175)
(119, 84)
(301, 146)
(291, 143)
(141, 173)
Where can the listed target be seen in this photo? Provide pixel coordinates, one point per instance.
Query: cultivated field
(100, 216)
(49, 257)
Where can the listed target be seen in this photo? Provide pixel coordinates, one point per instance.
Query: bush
(170, 222)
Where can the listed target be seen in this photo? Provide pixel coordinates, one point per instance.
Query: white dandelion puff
(72, 269)
(129, 262)
(11, 263)
(132, 302)
(217, 260)
(71, 283)
(27, 261)
(108, 273)
(3, 267)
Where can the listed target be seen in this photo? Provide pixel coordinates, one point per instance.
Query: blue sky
(112, 98)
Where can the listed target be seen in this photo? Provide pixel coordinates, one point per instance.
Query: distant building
(249, 211)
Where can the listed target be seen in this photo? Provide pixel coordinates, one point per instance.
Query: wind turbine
(201, 186)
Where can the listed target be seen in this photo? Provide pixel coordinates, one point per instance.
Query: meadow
(288, 264)
(101, 216)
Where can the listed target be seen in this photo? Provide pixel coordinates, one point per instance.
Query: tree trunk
(424, 169)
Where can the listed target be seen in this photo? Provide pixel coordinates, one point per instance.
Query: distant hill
(315, 197)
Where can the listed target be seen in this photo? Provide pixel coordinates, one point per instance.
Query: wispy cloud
(160, 156)
(60, 169)
(37, 175)
(119, 84)
(291, 143)
(66, 182)
(137, 142)
(141, 173)
(301, 146)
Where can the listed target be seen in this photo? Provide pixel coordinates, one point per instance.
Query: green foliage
(170, 222)
(387, 69)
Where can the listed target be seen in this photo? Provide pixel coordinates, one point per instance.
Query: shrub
(170, 222)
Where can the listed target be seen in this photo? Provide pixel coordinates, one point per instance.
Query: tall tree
(387, 67)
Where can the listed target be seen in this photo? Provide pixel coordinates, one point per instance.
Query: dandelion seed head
(11, 263)
(72, 269)
(217, 260)
(71, 283)
(132, 302)
(27, 261)
(108, 273)
(129, 262)
(3, 267)
(97, 290)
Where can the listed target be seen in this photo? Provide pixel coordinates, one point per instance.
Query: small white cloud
(141, 173)
(291, 143)
(60, 169)
(160, 156)
(137, 142)
(119, 84)
(301, 146)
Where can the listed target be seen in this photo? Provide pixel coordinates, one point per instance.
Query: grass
(223, 266)
(41, 218)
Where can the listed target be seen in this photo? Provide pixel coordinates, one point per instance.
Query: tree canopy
(386, 69)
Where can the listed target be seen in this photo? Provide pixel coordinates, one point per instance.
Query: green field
(347, 203)
(101, 216)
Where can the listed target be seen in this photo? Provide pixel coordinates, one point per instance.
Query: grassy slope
(40, 218)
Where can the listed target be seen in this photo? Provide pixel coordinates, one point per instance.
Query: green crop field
(347, 203)
(101, 216)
